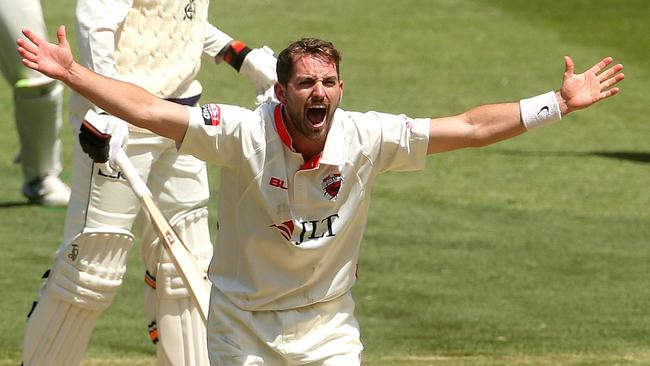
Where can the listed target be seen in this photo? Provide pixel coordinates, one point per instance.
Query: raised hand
(47, 58)
(582, 90)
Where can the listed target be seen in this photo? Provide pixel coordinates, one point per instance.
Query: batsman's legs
(176, 326)
(175, 323)
(80, 286)
(88, 266)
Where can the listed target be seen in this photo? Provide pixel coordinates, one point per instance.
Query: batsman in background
(295, 188)
(157, 45)
(37, 108)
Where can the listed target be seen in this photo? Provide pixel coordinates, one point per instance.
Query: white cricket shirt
(290, 230)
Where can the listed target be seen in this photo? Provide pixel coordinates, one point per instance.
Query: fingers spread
(612, 81)
(608, 93)
(27, 46)
(29, 64)
(601, 65)
(609, 72)
(32, 36)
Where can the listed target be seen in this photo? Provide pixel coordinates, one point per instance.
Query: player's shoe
(47, 191)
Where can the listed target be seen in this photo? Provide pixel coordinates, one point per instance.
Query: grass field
(530, 252)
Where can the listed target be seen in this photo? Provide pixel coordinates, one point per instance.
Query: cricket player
(37, 108)
(157, 45)
(296, 181)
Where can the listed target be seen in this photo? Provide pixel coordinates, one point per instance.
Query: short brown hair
(306, 46)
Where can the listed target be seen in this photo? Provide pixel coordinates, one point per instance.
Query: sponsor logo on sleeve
(211, 114)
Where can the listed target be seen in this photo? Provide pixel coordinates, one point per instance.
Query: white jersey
(290, 230)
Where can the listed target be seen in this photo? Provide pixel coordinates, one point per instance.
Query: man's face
(311, 97)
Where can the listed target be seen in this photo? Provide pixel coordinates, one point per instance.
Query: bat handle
(131, 174)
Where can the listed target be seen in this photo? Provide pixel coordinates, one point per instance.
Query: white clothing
(325, 334)
(14, 16)
(289, 230)
(157, 45)
(158, 50)
(37, 100)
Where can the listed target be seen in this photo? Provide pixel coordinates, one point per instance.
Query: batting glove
(257, 65)
(102, 136)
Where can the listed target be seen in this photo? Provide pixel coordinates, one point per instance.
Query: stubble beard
(302, 124)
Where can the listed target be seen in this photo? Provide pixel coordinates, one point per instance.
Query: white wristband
(540, 110)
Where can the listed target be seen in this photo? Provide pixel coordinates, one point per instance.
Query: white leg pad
(175, 319)
(38, 120)
(81, 285)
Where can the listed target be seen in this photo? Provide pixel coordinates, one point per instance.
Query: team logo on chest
(331, 185)
(190, 10)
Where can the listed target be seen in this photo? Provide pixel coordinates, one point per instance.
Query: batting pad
(180, 328)
(181, 331)
(81, 285)
(38, 120)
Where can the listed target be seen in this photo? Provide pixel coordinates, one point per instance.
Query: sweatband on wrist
(235, 54)
(540, 110)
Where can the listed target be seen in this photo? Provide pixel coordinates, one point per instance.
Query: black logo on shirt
(309, 230)
(190, 10)
(116, 175)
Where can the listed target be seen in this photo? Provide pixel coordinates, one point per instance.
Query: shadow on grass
(624, 155)
(15, 204)
(22, 204)
(637, 157)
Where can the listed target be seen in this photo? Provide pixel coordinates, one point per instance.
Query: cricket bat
(192, 274)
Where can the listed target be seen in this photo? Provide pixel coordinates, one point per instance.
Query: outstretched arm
(124, 100)
(488, 124)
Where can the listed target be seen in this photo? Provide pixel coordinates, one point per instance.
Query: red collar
(282, 128)
(283, 132)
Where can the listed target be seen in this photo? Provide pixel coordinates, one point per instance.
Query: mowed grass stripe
(628, 359)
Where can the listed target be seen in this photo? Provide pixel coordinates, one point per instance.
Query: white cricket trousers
(179, 184)
(321, 334)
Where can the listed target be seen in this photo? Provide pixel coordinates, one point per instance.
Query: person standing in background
(37, 108)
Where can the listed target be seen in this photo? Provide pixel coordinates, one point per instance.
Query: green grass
(530, 252)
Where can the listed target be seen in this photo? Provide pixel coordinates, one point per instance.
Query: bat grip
(131, 174)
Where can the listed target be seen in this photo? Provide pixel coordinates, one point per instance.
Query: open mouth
(316, 114)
